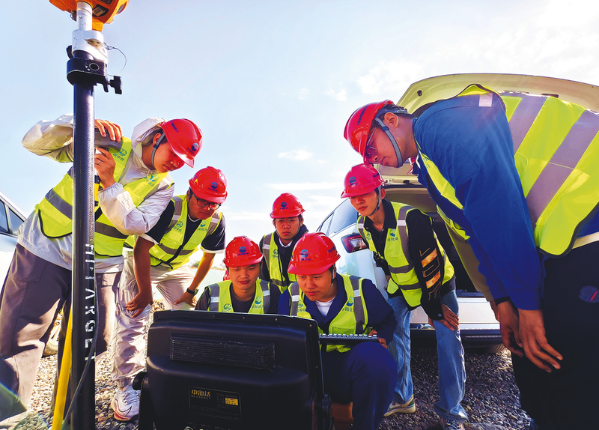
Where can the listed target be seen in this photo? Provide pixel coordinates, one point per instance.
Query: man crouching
(341, 304)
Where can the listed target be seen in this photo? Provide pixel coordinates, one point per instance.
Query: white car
(11, 218)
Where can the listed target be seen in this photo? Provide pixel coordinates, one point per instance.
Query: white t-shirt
(324, 307)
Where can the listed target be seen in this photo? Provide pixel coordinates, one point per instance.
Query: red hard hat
(209, 184)
(314, 253)
(242, 251)
(361, 179)
(184, 137)
(285, 206)
(357, 128)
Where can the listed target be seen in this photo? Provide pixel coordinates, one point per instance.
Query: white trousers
(129, 338)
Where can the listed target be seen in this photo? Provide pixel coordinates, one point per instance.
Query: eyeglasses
(288, 221)
(370, 152)
(201, 203)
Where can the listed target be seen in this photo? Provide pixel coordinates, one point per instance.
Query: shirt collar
(390, 221)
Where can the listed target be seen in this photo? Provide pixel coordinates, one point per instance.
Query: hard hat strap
(378, 203)
(392, 139)
(155, 148)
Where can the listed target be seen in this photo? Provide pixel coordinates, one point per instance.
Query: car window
(344, 215)
(324, 227)
(15, 221)
(3, 219)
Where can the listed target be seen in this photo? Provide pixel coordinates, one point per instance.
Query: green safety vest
(351, 319)
(270, 251)
(555, 153)
(220, 297)
(397, 256)
(56, 209)
(165, 251)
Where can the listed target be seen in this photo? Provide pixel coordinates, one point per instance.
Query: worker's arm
(117, 204)
(203, 268)
(202, 304)
(141, 257)
(380, 314)
(54, 139)
(429, 265)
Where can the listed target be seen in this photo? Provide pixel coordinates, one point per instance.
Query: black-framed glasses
(201, 203)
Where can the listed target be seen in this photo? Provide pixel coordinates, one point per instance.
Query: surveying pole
(85, 68)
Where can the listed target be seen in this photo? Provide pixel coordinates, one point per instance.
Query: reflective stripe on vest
(108, 240)
(220, 297)
(555, 147)
(270, 252)
(169, 245)
(397, 256)
(178, 201)
(351, 319)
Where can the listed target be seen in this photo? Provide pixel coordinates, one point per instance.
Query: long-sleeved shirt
(54, 139)
(380, 313)
(472, 148)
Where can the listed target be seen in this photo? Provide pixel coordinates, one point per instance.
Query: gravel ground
(491, 394)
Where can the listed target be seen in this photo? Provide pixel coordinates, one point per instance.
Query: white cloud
(244, 215)
(568, 14)
(305, 186)
(389, 77)
(302, 94)
(341, 95)
(296, 154)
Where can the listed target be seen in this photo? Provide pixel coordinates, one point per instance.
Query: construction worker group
(475, 163)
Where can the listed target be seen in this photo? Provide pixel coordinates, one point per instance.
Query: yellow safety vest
(270, 251)
(555, 153)
(165, 251)
(353, 317)
(220, 297)
(56, 209)
(397, 256)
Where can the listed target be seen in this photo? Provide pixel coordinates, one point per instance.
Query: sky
(270, 83)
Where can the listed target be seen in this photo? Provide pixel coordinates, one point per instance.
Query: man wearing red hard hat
(341, 304)
(159, 259)
(514, 175)
(419, 274)
(135, 189)
(244, 291)
(277, 246)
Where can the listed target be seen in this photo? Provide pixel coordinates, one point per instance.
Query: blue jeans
(452, 374)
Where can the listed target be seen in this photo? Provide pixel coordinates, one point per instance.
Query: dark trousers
(567, 398)
(365, 375)
(34, 290)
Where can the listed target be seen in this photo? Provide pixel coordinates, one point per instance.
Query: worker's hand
(508, 324)
(449, 320)
(139, 303)
(381, 340)
(187, 298)
(534, 342)
(104, 164)
(113, 130)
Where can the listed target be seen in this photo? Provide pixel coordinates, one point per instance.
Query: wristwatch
(192, 292)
